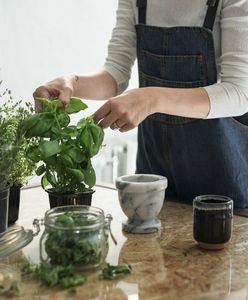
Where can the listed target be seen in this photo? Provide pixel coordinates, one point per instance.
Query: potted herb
(8, 151)
(64, 151)
(7, 156)
(12, 114)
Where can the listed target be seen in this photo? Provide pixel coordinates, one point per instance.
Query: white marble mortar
(141, 197)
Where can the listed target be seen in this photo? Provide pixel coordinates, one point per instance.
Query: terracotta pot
(81, 198)
(14, 203)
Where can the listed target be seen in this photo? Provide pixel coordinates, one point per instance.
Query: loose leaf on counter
(51, 276)
(110, 271)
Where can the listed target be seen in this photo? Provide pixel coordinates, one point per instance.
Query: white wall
(42, 39)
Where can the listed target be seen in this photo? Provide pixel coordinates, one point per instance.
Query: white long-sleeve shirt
(229, 96)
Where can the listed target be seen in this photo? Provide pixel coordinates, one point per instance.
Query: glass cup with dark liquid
(212, 221)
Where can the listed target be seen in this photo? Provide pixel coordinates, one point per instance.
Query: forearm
(98, 86)
(190, 102)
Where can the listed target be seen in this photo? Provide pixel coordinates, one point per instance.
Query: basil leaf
(44, 182)
(89, 176)
(44, 101)
(63, 119)
(29, 122)
(77, 174)
(76, 155)
(75, 105)
(49, 148)
(41, 170)
(86, 140)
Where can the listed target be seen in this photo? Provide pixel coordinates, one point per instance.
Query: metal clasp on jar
(36, 224)
(108, 220)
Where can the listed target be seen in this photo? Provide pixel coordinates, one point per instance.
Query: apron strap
(211, 14)
(142, 4)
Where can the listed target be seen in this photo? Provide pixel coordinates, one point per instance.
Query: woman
(193, 74)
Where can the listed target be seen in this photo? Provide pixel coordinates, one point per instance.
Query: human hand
(60, 88)
(126, 111)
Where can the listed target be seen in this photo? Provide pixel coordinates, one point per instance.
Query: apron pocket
(241, 121)
(175, 68)
(147, 80)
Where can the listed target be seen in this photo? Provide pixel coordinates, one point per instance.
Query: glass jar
(212, 223)
(75, 235)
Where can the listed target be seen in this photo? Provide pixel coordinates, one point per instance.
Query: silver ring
(114, 126)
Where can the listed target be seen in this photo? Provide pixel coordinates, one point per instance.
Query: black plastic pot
(4, 205)
(14, 203)
(83, 198)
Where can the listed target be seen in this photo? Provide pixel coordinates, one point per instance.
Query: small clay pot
(81, 198)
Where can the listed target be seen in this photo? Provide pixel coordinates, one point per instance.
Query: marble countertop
(167, 265)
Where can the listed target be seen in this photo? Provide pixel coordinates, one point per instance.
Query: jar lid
(14, 239)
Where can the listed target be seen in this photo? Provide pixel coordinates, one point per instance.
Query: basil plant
(63, 151)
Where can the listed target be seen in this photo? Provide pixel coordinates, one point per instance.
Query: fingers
(101, 112)
(65, 95)
(111, 115)
(127, 127)
(42, 92)
(54, 90)
(115, 125)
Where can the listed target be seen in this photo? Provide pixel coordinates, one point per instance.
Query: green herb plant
(15, 166)
(64, 150)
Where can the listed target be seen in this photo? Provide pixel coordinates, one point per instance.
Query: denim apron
(197, 156)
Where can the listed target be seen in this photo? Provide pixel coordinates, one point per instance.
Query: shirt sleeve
(229, 97)
(122, 46)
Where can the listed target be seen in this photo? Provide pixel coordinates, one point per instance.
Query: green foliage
(68, 276)
(110, 271)
(15, 166)
(65, 245)
(51, 276)
(64, 150)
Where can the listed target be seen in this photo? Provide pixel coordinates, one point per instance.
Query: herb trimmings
(68, 276)
(110, 271)
(62, 276)
(65, 245)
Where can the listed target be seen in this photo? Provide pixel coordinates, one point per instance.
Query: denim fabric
(197, 156)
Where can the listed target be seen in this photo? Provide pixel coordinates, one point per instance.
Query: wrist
(153, 99)
(74, 81)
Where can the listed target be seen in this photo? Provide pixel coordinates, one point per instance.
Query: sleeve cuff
(218, 103)
(122, 84)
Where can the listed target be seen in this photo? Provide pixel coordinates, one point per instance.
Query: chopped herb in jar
(65, 245)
